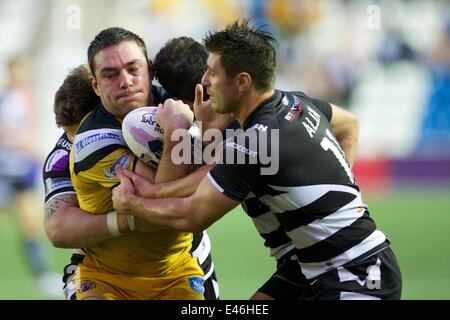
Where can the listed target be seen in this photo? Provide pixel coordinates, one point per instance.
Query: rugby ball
(143, 135)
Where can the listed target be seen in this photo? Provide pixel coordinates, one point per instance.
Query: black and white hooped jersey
(293, 180)
(56, 172)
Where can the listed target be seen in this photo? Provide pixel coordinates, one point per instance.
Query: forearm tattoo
(55, 203)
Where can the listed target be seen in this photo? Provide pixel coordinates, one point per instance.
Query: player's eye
(109, 76)
(134, 70)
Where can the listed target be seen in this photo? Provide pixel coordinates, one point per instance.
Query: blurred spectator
(18, 168)
(436, 125)
(293, 16)
(394, 48)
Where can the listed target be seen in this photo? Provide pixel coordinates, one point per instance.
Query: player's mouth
(128, 95)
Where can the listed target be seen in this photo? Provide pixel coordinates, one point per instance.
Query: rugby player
(66, 224)
(173, 65)
(151, 265)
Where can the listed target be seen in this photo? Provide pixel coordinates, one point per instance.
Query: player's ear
(95, 85)
(244, 81)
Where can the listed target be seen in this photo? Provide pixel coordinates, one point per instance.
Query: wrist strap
(111, 223)
(130, 219)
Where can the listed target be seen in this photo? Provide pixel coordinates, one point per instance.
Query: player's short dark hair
(245, 49)
(179, 66)
(110, 37)
(75, 97)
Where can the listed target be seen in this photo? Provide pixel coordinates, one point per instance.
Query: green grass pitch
(417, 222)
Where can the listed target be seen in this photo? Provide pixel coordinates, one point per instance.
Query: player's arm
(182, 187)
(345, 127)
(145, 172)
(193, 214)
(67, 226)
(172, 115)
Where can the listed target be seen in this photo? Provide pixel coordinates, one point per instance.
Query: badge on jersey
(53, 184)
(295, 110)
(123, 161)
(86, 285)
(196, 284)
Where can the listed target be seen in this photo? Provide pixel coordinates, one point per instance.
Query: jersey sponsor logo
(53, 184)
(196, 284)
(86, 285)
(58, 161)
(296, 109)
(297, 105)
(96, 137)
(65, 144)
(90, 141)
(259, 127)
(123, 161)
(238, 147)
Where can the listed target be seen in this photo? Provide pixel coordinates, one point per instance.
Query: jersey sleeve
(56, 174)
(238, 171)
(324, 107)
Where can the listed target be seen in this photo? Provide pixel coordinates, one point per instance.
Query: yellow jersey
(97, 148)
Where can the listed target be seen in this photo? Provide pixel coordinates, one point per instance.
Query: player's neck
(250, 103)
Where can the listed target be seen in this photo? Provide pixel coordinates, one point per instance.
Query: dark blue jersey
(56, 172)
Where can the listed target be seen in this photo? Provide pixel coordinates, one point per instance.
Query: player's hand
(174, 114)
(123, 195)
(142, 187)
(204, 112)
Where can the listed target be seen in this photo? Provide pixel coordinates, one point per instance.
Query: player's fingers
(128, 174)
(198, 94)
(119, 172)
(135, 178)
(124, 180)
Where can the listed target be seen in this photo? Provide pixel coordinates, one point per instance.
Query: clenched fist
(174, 114)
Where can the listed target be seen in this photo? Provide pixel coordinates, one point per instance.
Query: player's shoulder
(98, 136)
(63, 143)
(57, 160)
(56, 172)
(297, 101)
(99, 118)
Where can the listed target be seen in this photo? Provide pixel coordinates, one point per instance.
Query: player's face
(122, 78)
(222, 89)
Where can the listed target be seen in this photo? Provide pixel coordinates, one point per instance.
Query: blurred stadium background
(386, 61)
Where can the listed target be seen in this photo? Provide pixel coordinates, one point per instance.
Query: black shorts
(211, 287)
(288, 282)
(375, 277)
